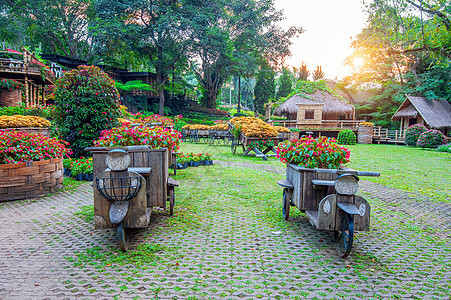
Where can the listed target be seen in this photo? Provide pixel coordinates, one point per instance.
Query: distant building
(434, 113)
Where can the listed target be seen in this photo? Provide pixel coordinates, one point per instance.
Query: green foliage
(413, 132)
(87, 102)
(285, 85)
(264, 87)
(346, 137)
(12, 110)
(444, 148)
(133, 85)
(431, 139)
(44, 23)
(239, 114)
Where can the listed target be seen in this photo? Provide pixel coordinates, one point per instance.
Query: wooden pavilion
(433, 113)
(25, 68)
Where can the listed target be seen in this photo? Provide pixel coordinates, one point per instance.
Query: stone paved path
(232, 253)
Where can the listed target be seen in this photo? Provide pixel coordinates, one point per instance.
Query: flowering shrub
(346, 137)
(366, 124)
(261, 145)
(87, 102)
(11, 84)
(79, 165)
(16, 147)
(23, 121)
(43, 69)
(444, 148)
(126, 135)
(431, 139)
(313, 153)
(413, 133)
(165, 121)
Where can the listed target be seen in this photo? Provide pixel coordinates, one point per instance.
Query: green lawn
(411, 169)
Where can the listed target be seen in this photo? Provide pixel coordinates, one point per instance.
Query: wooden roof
(436, 113)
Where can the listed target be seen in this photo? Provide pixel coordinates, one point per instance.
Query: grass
(411, 169)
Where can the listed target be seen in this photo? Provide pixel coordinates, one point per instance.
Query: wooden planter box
(36, 130)
(30, 179)
(140, 156)
(304, 196)
(247, 140)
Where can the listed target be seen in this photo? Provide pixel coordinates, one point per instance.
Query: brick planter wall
(30, 179)
(10, 98)
(365, 135)
(37, 130)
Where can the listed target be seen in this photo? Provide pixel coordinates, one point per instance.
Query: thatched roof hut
(433, 113)
(333, 107)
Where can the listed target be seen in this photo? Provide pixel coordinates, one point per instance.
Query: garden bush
(127, 135)
(313, 153)
(22, 121)
(16, 147)
(431, 139)
(87, 102)
(444, 148)
(413, 133)
(346, 137)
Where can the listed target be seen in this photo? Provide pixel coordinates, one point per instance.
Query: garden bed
(30, 179)
(45, 131)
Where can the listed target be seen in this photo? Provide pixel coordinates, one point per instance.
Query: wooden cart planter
(219, 137)
(159, 187)
(327, 196)
(244, 142)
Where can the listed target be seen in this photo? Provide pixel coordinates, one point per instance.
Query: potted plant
(208, 161)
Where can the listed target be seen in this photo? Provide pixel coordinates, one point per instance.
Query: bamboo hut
(433, 113)
(312, 109)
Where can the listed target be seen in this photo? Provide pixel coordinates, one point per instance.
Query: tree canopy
(405, 49)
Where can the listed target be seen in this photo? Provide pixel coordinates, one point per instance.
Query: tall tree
(405, 48)
(155, 29)
(230, 37)
(318, 74)
(60, 26)
(265, 87)
(285, 84)
(301, 73)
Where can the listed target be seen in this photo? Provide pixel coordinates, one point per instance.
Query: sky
(329, 26)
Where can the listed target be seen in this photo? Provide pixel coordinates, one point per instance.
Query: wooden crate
(247, 140)
(141, 156)
(304, 196)
(30, 179)
(138, 214)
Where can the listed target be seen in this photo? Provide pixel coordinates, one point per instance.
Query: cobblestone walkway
(231, 253)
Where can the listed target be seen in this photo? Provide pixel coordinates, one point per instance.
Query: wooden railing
(387, 135)
(345, 124)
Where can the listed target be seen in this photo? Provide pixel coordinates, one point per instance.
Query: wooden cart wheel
(171, 201)
(286, 204)
(345, 236)
(233, 146)
(123, 243)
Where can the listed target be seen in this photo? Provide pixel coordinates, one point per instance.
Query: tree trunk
(160, 83)
(239, 95)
